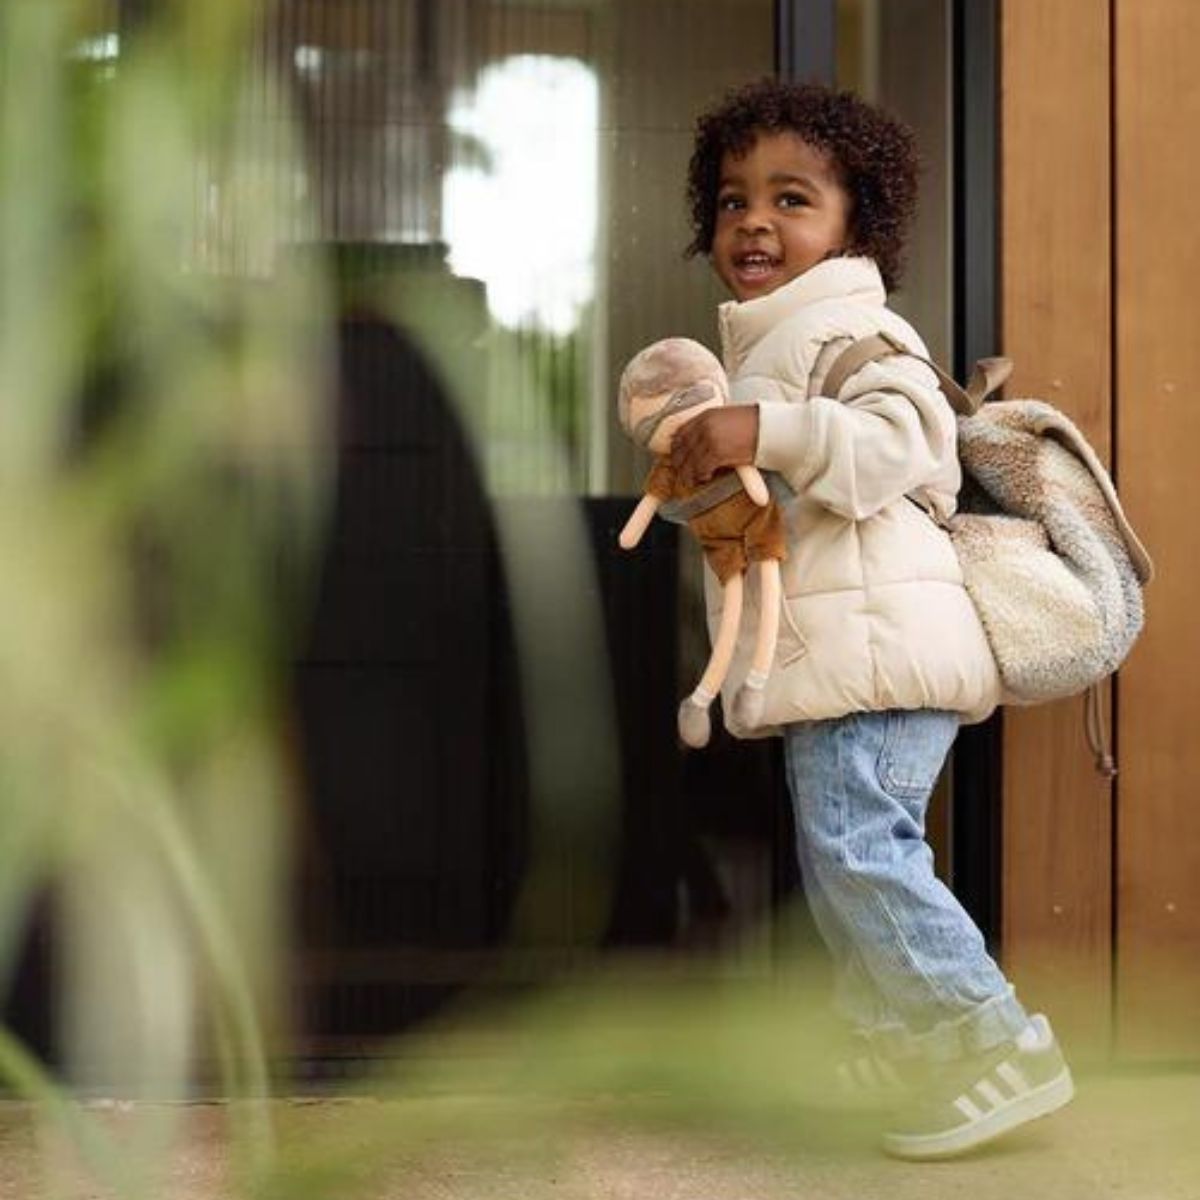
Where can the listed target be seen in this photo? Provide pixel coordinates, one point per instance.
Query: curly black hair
(873, 154)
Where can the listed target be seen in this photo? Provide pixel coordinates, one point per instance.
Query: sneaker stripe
(990, 1093)
(967, 1107)
(866, 1077)
(863, 1075)
(943, 1140)
(1013, 1078)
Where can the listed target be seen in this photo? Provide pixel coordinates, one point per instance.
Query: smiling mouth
(755, 264)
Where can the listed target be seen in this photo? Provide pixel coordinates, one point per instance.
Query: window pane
(652, 290)
(898, 53)
(540, 150)
(503, 188)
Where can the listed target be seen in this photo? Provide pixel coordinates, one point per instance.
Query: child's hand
(719, 437)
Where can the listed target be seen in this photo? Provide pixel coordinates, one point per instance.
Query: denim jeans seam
(830, 850)
(841, 933)
(843, 948)
(867, 890)
(881, 759)
(944, 998)
(843, 803)
(884, 1013)
(871, 893)
(885, 773)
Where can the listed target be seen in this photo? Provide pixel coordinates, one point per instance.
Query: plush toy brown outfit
(734, 532)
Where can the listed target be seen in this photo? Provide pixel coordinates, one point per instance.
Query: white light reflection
(309, 59)
(525, 223)
(105, 48)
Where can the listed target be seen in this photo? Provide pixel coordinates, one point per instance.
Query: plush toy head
(665, 386)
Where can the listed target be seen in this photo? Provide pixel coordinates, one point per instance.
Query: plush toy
(664, 386)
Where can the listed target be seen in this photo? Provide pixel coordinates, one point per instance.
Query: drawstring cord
(1096, 731)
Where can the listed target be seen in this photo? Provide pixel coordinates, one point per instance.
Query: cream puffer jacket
(875, 613)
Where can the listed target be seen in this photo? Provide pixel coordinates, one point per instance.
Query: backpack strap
(852, 360)
(987, 375)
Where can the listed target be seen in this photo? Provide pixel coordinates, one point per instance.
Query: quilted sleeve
(890, 432)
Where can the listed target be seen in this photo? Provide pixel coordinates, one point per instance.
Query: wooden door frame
(1056, 285)
(1156, 923)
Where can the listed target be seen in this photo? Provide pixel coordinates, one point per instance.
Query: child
(800, 196)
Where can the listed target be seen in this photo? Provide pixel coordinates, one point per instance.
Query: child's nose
(756, 217)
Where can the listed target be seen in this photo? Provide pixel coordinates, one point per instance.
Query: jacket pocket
(915, 745)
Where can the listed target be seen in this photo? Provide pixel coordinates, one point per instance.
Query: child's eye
(730, 203)
(792, 200)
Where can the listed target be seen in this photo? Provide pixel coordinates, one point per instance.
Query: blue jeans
(911, 967)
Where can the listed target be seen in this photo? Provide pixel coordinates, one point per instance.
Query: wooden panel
(1055, 278)
(1158, 264)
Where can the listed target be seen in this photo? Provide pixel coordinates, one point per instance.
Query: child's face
(780, 210)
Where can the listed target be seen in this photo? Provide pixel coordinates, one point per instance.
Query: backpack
(1048, 557)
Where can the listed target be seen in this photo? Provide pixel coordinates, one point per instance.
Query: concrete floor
(1132, 1137)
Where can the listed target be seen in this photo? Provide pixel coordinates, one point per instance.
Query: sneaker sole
(1039, 1103)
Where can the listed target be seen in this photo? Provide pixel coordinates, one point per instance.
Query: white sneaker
(981, 1097)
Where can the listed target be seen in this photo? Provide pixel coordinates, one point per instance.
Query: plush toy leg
(694, 724)
(748, 703)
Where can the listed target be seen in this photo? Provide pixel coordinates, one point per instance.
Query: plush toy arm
(639, 522)
(755, 485)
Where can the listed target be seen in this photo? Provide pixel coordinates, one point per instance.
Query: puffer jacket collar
(743, 324)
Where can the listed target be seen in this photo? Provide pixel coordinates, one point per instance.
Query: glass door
(499, 188)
